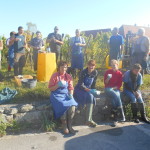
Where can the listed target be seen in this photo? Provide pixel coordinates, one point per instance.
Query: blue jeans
(114, 96)
(132, 97)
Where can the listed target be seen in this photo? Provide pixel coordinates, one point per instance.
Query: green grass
(41, 91)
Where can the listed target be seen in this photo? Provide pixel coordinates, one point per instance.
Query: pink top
(115, 81)
(56, 77)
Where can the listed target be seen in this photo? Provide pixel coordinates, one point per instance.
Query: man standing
(19, 50)
(77, 57)
(37, 44)
(1, 47)
(55, 41)
(116, 45)
(10, 46)
(141, 50)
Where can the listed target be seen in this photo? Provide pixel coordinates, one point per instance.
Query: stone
(43, 107)
(10, 111)
(26, 108)
(1, 110)
(6, 118)
(30, 117)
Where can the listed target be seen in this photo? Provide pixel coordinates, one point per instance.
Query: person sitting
(61, 97)
(132, 81)
(113, 82)
(85, 90)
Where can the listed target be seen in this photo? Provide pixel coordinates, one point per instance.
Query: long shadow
(107, 138)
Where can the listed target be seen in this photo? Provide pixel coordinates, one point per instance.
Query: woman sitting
(132, 81)
(63, 103)
(113, 82)
(85, 90)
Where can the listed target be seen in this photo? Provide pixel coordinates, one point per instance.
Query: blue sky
(71, 14)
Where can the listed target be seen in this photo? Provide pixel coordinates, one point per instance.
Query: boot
(134, 112)
(121, 113)
(115, 113)
(64, 126)
(70, 115)
(143, 113)
(89, 111)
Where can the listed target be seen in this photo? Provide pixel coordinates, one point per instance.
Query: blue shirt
(115, 42)
(128, 81)
(37, 42)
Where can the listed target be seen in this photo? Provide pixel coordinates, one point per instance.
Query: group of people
(17, 45)
(65, 98)
(139, 51)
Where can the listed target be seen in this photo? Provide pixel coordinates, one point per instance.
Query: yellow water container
(107, 63)
(46, 66)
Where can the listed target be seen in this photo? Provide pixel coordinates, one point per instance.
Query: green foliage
(96, 48)
(48, 125)
(5, 49)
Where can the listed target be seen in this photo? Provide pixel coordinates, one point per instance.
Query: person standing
(37, 44)
(1, 47)
(19, 50)
(132, 81)
(77, 57)
(10, 45)
(141, 50)
(55, 41)
(116, 43)
(85, 91)
(61, 97)
(113, 83)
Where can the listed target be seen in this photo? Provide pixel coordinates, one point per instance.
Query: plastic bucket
(29, 83)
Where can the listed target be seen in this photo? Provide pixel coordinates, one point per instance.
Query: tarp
(6, 95)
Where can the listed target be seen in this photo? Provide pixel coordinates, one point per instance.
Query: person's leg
(22, 61)
(64, 123)
(142, 109)
(116, 102)
(70, 115)
(16, 65)
(35, 58)
(89, 111)
(134, 107)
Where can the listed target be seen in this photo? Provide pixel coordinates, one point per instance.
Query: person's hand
(93, 91)
(70, 96)
(28, 49)
(61, 84)
(77, 44)
(115, 88)
(137, 95)
(38, 48)
(109, 76)
(17, 39)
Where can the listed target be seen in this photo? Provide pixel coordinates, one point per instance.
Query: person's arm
(147, 46)
(49, 38)
(106, 79)
(94, 81)
(81, 81)
(122, 45)
(59, 41)
(82, 44)
(70, 85)
(126, 86)
(119, 82)
(53, 83)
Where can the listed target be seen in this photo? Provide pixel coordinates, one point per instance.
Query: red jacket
(115, 81)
